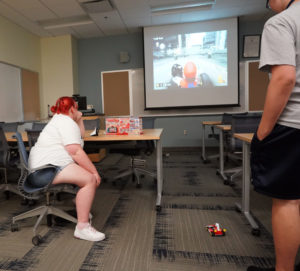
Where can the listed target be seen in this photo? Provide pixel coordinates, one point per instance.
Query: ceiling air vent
(96, 6)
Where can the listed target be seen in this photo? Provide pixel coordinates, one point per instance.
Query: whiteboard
(11, 105)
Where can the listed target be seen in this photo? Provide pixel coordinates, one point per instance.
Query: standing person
(275, 148)
(61, 144)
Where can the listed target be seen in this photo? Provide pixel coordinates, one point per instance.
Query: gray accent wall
(102, 54)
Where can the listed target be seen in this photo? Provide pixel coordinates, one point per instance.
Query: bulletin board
(258, 84)
(116, 93)
(30, 95)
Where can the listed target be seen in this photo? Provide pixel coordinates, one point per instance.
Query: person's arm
(81, 158)
(77, 117)
(279, 89)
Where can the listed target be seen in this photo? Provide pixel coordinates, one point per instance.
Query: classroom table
(148, 134)
(245, 206)
(204, 124)
(222, 128)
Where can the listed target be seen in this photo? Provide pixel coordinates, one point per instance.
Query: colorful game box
(123, 126)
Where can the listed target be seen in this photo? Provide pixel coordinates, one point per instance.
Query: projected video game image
(190, 60)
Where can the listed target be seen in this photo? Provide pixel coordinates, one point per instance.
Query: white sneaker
(89, 233)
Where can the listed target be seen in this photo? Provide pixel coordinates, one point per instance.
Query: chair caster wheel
(158, 208)
(255, 232)
(36, 240)
(217, 173)
(226, 182)
(205, 162)
(138, 185)
(14, 227)
(114, 183)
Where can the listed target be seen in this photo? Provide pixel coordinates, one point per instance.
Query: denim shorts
(275, 163)
(41, 179)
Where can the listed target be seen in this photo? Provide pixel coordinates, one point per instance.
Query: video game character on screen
(187, 77)
(190, 60)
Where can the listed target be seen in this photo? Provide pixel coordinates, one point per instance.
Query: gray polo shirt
(281, 46)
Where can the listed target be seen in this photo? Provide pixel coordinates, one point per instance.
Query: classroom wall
(19, 47)
(102, 54)
(58, 70)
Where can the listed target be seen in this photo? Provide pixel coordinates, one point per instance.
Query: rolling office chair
(240, 124)
(62, 188)
(226, 120)
(27, 187)
(137, 164)
(39, 126)
(10, 126)
(7, 160)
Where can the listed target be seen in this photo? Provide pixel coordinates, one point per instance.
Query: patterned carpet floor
(138, 237)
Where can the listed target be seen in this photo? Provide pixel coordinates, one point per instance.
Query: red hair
(63, 105)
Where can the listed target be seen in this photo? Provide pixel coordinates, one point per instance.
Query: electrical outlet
(185, 132)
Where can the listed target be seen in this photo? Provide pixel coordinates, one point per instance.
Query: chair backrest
(148, 122)
(243, 124)
(4, 148)
(227, 117)
(10, 126)
(22, 151)
(38, 125)
(91, 124)
(33, 136)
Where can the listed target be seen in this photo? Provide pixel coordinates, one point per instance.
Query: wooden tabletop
(148, 134)
(214, 122)
(224, 127)
(247, 137)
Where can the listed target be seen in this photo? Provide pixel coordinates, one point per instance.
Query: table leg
(203, 157)
(159, 165)
(220, 171)
(245, 208)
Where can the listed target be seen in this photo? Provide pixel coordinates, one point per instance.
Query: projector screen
(191, 65)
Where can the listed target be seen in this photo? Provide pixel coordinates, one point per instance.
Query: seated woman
(61, 144)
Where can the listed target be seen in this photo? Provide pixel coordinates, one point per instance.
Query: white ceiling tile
(15, 17)
(33, 10)
(64, 8)
(88, 31)
(128, 16)
(109, 22)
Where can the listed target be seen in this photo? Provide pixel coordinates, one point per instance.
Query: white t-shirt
(50, 146)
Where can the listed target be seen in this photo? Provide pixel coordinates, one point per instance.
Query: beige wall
(55, 59)
(57, 76)
(19, 47)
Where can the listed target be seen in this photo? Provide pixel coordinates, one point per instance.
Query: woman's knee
(91, 180)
